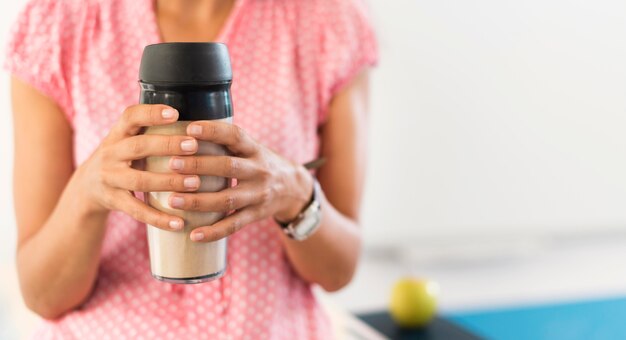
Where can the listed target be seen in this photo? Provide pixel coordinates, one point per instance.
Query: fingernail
(191, 182)
(177, 164)
(197, 236)
(174, 224)
(188, 145)
(195, 130)
(168, 113)
(177, 202)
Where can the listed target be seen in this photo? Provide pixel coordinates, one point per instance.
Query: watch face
(306, 226)
(309, 219)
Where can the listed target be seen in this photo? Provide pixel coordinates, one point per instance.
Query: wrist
(82, 196)
(299, 197)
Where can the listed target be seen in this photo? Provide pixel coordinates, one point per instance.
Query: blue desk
(587, 320)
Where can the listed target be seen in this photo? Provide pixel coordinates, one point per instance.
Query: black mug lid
(185, 63)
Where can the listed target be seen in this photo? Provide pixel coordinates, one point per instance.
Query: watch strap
(289, 227)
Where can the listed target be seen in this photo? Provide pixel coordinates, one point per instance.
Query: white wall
(12, 314)
(8, 11)
(497, 116)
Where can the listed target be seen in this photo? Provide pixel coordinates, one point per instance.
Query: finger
(138, 116)
(229, 135)
(140, 211)
(222, 201)
(227, 226)
(144, 181)
(222, 166)
(137, 147)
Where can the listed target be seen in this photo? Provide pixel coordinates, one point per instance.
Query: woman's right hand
(108, 178)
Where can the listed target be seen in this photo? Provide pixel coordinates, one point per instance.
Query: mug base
(191, 280)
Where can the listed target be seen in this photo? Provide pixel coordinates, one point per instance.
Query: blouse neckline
(222, 36)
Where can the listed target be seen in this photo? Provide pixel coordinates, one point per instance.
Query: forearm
(329, 257)
(58, 265)
(61, 212)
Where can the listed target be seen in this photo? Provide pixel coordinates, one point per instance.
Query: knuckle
(266, 194)
(155, 219)
(161, 220)
(232, 167)
(238, 133)
(211, 130)
(127, 115)
(194, 203)
(264, 173)
(154, 113)
(214, 234)
(137, 214)
(229, 202)
(137, 145)
(195, 165)
(233, 227)
(169, 145)
(174, 182)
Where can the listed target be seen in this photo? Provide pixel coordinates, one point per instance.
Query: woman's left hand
(268, 185)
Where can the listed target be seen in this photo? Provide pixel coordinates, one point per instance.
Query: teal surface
(597, 319)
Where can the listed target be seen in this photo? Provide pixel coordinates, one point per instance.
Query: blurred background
(496, 161)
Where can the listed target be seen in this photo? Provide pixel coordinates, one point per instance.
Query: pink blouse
(289, 58)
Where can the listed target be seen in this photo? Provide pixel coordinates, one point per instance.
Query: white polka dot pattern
(289, 57)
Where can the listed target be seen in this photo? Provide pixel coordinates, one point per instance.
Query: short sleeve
(348, 46)
(35, 50)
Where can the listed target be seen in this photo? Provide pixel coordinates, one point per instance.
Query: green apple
(413, 302)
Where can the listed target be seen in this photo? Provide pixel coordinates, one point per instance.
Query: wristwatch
(308, 221)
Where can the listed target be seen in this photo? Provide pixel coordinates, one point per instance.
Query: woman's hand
(267, 184)
(110, 179)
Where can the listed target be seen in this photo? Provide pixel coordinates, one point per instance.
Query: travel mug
(195, 79)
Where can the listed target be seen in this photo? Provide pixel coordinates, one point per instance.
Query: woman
(299, 93)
